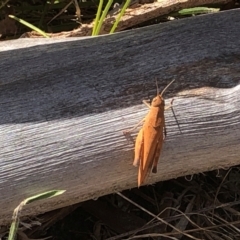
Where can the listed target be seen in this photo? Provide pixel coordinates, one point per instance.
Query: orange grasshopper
(150, 138)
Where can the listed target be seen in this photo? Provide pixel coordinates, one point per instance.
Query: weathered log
(64, 104)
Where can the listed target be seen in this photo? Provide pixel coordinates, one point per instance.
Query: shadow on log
(65, 102)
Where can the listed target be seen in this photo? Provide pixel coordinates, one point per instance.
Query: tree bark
(65, 102)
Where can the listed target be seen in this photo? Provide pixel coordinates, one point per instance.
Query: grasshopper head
(158, 101)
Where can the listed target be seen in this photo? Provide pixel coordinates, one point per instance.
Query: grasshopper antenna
(167, 87)
(157, 87)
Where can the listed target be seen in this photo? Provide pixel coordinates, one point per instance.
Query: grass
(31, 26)
(44, 12)
(56, 16)
(18, 209)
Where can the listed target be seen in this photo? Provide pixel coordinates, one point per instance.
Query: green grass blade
(13, 229)
(104, 14)
(96, 21)
(198, 10)
(18, 209)
(49, 194)
(29, 25)
(119, 16)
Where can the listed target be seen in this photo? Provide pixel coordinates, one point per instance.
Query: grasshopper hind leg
(159, 148)
(156, 157)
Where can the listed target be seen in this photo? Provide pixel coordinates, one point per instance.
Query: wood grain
(64, 105)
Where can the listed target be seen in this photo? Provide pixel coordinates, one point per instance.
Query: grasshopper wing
(138, 148)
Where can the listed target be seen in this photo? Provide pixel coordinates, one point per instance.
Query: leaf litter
(204, 206)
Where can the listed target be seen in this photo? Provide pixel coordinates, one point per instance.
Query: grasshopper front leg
(169, 106)
(132, 129)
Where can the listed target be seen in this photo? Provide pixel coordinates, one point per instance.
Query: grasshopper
(150, 138)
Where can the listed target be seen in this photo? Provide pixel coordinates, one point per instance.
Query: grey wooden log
(65, 102)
